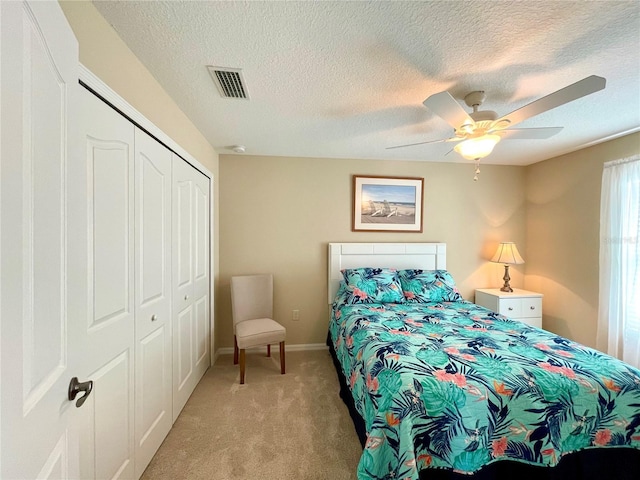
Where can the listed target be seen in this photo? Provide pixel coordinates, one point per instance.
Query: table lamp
(508, 254)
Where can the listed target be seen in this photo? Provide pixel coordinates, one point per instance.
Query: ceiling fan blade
(452, 139)
(584, 87)
(444, 105)
(528, 133)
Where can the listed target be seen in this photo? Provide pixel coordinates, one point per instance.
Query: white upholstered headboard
(425, 256)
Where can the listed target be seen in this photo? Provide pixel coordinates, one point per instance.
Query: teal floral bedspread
(452, 385)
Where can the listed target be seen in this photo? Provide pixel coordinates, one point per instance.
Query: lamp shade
(475, 148)
(508, 254)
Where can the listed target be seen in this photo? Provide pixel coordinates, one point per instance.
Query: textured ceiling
(347, 79)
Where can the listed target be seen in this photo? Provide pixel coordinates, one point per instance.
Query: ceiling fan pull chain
(475, 179)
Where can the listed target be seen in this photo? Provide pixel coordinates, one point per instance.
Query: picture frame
(387, 204)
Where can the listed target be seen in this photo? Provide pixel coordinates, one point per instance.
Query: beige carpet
(274, 427)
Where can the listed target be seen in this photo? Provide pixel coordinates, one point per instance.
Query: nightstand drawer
(520, 305)
(531, 307)
(510, 307)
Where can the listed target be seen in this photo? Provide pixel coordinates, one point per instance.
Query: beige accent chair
(252, 309)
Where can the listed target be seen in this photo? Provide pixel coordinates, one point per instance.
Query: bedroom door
(42, 243)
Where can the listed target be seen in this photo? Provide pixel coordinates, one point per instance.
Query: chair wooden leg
(268, 350)
(235, 350)
(242, 364)
(282, 367)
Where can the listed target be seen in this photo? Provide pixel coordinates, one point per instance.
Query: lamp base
(506, 287)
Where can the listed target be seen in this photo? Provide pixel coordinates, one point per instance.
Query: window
(619, 305)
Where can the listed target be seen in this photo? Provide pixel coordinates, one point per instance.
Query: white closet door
(42, 222)
(153, 378)
(183, 288)
(108, 333)
(190, 243)
(201, 273)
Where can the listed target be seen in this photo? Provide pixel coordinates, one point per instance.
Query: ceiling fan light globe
(475, 148)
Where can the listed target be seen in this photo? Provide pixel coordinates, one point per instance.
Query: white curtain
(619, 305)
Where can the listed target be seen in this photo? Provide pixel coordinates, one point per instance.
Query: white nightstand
(519, 305)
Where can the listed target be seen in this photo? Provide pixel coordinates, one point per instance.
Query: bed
(439, 387)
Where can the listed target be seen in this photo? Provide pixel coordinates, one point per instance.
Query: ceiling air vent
(229, 81)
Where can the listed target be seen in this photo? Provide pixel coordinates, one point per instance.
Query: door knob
(154, 318)
(76, 387)
(186, 297)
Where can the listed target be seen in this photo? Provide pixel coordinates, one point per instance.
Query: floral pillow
(423, 286)
(373, 285)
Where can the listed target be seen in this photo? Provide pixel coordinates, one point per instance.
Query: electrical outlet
(296, 315)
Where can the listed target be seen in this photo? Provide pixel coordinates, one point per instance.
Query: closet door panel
(184, 357)
(107, 339)
(113, 429)
(201, 214)
(201, 271)
(153, 410)
(112, 266)
(153, 405)
(153, 219)
(201, 333)
(184, 235)
(153, 235)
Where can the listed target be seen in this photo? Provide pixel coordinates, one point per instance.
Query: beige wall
(278, 215)
(563, 225)
(104, 53)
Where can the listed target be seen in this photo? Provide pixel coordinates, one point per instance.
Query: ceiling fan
(479, 131)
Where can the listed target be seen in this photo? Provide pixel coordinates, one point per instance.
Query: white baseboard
(274, 349)
(214, 357)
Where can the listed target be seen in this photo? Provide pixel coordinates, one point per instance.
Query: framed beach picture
(387, 204)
